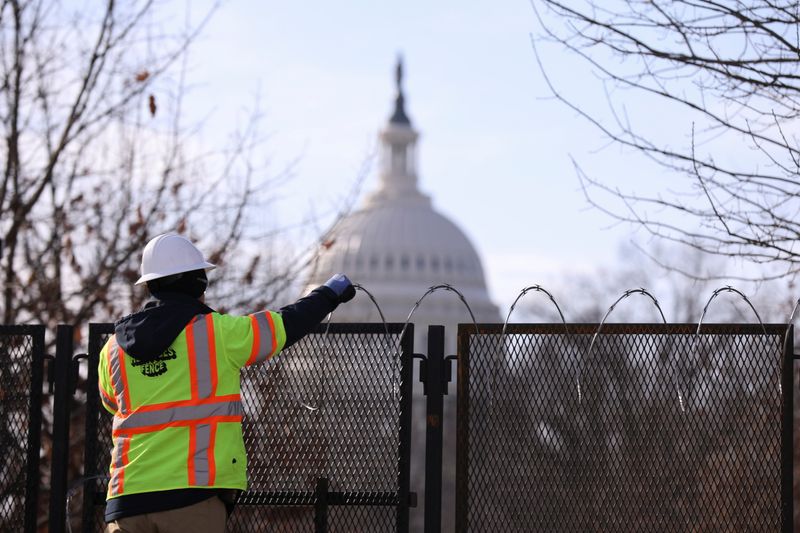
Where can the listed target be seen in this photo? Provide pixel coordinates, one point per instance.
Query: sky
(496, 150)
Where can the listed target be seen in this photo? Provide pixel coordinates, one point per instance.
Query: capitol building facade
(397, 246)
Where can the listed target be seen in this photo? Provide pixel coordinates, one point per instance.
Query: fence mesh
(21, 360)
(332, 406)
(655, 429)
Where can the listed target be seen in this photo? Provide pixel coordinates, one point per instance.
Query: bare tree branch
(730, 66)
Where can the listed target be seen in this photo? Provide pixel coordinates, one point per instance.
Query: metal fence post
(407, 499)
(321, 506)
(787, 434)
(434, 392)
(35, 428)
(62, 397)
(462, 427)
(97, 336)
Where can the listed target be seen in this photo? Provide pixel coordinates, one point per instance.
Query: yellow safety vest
(177, 419)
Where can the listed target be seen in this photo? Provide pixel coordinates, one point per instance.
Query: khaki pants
(207, 516)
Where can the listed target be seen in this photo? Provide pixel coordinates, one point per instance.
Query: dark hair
(193, 283)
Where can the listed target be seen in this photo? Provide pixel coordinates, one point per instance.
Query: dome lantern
(398, 154)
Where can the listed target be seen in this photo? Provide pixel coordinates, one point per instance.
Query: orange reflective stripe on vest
(201, 454)
(116, 367)
(202, 356)
(119, 460)
(108, 401)
(264, 341)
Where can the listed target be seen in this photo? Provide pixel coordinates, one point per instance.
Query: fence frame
(64, 363)
(465, 331)
(787, 430)
(96, 333)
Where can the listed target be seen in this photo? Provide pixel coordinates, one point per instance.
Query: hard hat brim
(205, 265)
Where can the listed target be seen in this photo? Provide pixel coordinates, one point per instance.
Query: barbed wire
(625, 295)
(497, 352)
(326, 347)
(394, 350)
(431, 290)
(717, 292)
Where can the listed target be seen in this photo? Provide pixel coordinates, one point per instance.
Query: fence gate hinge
(423, 371)
(50, 361)
(446, 369)
(74, 367)
(412, 499)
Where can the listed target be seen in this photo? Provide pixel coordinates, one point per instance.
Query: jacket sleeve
(251, 339)
(260, 336)
(104, 381)
(303, 316)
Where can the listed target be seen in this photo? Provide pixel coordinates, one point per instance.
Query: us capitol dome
(397, 246)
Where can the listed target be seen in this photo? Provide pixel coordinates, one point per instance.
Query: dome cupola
(397, 245)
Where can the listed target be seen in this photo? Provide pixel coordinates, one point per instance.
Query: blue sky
(494, 151)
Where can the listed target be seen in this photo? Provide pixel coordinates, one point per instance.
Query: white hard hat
(170, 254)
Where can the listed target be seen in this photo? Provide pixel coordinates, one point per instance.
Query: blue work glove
(340, 285)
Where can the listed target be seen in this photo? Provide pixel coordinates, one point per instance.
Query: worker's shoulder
(249, 316)
(224, 320)
(237, 323)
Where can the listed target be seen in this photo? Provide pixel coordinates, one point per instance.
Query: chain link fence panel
(21, 375)
(656, 429)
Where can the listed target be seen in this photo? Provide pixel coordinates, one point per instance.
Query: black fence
(637, 428)
(649, 428)
(21, 365)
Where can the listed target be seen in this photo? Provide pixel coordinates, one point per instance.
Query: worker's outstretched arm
(302, 316)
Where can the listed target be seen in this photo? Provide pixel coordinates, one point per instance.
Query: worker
(170, 376)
